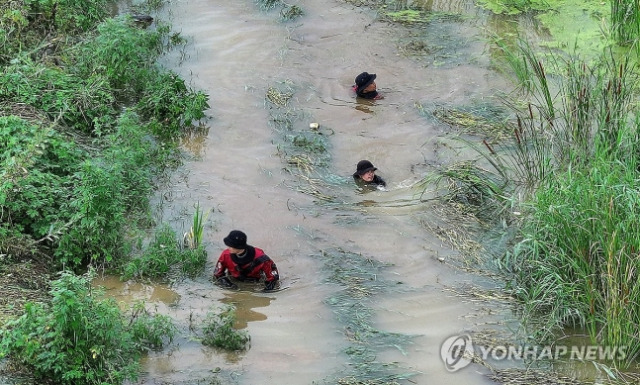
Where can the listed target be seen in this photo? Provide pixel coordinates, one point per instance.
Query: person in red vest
(244, 263)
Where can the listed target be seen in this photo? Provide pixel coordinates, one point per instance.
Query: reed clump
(577, 258)
(567, 178)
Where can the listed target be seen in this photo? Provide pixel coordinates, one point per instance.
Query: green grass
(570, 169)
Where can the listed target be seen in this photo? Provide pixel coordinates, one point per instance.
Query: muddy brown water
(235, 53)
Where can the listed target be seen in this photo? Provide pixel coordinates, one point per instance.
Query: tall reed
(578, 258)
(571, 164)
(625, 20)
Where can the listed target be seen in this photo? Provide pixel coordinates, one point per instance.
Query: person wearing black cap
(365, 86)
(366, 174)
(244, 263)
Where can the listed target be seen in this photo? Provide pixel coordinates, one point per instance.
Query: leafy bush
(163, 255)
(107, 191)
(99, 216)
(133, 149)
(79, 204)
(85, 103)
(121, 53)
(80, 339)
(68, 15)
(35, 164)
(219, 332)
(168, 100)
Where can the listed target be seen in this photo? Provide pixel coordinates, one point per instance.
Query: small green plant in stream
(80, 339)
(163, 255)
(193, 238)
(218, 330)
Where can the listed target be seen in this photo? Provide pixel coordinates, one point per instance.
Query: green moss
(576, 25)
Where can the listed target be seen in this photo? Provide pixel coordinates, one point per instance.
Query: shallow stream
(388, 246)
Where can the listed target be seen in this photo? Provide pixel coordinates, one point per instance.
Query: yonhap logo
(457, 352)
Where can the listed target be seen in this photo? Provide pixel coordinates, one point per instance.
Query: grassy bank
(88, 123)
(567, 177)
(577, 258)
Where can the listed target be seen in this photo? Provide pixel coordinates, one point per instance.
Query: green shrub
(98, 207)
(80, 339)
(13, 19)
(193, 261)
(36, 164)
(107, 191)
(85, 103)
(131, 147)
(80, 204)
(163, 255)
(68, 15)
(123, 54)
(169, 101)
(219, 332)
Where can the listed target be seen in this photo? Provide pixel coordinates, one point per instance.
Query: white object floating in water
(314, 126)
(440, 259)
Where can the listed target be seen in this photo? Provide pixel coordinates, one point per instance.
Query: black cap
(363, 80)
(236, 239)
(363, 167)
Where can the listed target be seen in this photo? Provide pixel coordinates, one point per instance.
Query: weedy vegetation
(570, 173)
(164, 257)
(288, 12)
(88, 121)
(79, 338)
(304, 149)
(80, 166)
(218, 330)
(361, 280)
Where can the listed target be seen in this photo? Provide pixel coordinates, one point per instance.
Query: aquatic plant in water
(361, 280)
(218, 330)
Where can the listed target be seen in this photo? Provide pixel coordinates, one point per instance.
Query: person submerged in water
(365, 175)
(365, 86)
(244, 263)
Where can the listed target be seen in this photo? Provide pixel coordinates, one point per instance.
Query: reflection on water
(129, 292)
(244, 302)
(195, 140)
(364, 105)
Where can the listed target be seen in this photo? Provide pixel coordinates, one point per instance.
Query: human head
(365, 80)
(365, 170)
(236, 240)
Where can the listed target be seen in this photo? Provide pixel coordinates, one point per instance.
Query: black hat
(236, 239)
(363, 80)
(363, 167)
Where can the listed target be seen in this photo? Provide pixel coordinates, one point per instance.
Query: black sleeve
(379, 181)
